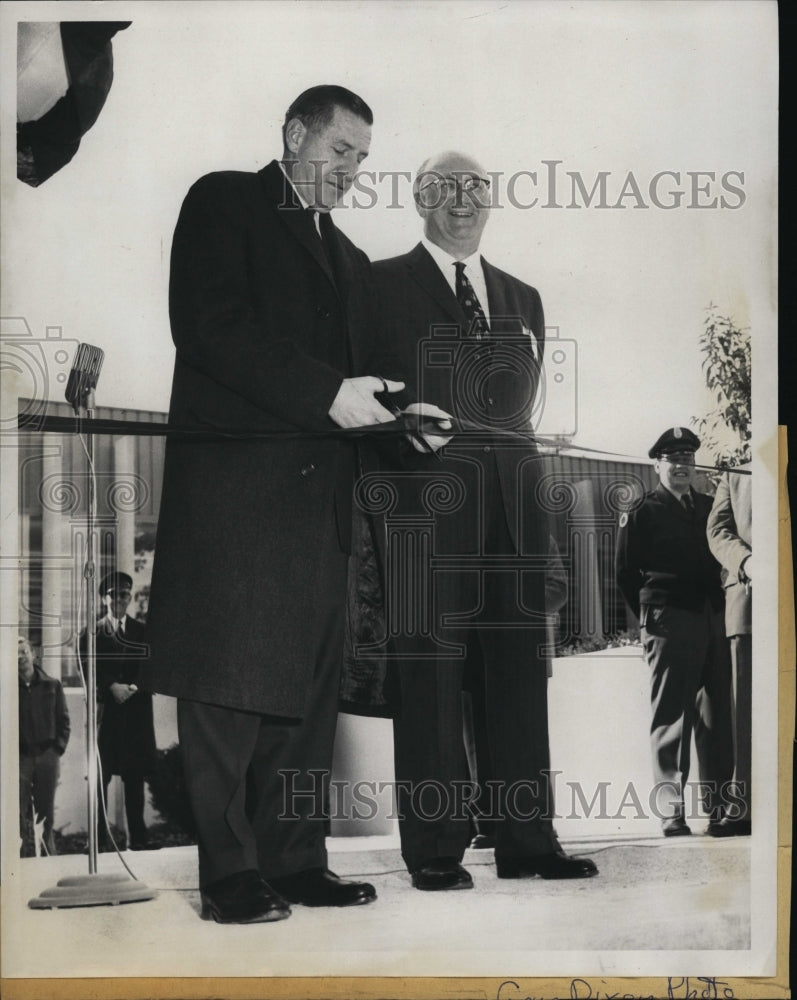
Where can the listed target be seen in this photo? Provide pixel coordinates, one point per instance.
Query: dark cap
(115, 581)
(675, 439)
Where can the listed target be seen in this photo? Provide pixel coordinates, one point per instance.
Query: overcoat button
(308, 469)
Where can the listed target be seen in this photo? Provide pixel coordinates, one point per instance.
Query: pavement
(657, 906)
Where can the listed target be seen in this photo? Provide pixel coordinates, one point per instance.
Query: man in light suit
(271, 314)
(730, 540)
(469, 338)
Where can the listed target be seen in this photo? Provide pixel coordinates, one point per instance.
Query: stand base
(92, 890)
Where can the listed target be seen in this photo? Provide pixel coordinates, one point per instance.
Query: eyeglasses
(443, 187)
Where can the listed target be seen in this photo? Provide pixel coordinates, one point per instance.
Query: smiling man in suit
(271, 314)
(469, 338)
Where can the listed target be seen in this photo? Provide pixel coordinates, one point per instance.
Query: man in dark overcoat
(126, 733)
(469, 338)
(671, 582)
(272, 317)
(44, 729)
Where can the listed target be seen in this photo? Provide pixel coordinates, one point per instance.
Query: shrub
(625, 637)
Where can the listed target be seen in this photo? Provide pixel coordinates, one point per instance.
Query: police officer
(671, 582)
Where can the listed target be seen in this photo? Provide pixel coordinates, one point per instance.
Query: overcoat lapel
(291, 213)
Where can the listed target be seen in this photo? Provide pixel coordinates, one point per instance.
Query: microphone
(83, 377)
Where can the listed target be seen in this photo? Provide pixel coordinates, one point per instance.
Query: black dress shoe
(675, 826)
(441, 873)
(242, 898)
(729, 828)
(483, 842)
(321, 887)
(554, 865)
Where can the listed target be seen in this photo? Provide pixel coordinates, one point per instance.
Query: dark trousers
(258, 783)
(477, 751)
(134, 808)
(488, 611)
(38, 778)
(690, 676)
(742, 660)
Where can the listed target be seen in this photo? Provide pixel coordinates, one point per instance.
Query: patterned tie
(466, 296)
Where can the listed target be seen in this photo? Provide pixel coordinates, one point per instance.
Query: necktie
(466, 296)
(326, 236)
(687, 503)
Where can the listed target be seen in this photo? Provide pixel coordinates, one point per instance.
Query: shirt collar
(675, 497)
(114, 623)
(444, 260)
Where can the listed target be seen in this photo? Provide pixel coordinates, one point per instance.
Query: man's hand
(435, 441)
(747, 568)
(355, 406)
(121, 692)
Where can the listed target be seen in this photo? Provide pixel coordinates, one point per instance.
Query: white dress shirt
(473, 270)
(112, 624)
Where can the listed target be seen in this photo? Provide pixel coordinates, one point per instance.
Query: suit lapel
(506, 311)
(428, 275)
(496, 305)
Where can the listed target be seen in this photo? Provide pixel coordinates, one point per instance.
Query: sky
(631, 92)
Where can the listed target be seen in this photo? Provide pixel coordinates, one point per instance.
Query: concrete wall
(599, 713)
(70, 799)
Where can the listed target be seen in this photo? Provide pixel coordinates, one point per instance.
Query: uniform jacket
(663, 558)
(126, 737)
(43, 715)
(730, 539)
(265, 332)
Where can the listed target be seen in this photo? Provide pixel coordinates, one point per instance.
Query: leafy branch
(725, 430)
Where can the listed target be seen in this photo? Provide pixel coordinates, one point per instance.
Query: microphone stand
(92, 889)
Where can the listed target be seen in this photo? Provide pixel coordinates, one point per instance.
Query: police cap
(115, 581)
(675, 439)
